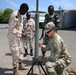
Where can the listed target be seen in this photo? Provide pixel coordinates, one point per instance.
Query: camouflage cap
(49, 26)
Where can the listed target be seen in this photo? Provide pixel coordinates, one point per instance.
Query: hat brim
(45, 31)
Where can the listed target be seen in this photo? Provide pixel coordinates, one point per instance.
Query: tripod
(39, 63)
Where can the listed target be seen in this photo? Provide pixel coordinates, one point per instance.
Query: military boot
(22, 67)
(26, 53)
(16, 72)
(31, 52)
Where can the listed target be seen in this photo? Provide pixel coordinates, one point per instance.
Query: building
(67, 18)
(41, 17)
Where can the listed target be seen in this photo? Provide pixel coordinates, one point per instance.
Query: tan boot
(17, 72)
(22, 67)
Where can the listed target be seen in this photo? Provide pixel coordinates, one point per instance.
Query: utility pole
(36, 30)
(35, 60)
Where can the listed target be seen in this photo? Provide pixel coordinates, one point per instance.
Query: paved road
(69, 37)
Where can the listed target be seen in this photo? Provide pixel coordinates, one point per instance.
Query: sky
(43, 4)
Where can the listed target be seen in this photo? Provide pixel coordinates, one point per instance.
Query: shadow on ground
(5, 71)
(8, 54)
(27, 62)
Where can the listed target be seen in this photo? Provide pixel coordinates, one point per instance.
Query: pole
(36, 30)
(35, 60)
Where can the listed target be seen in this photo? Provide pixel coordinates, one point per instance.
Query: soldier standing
(14, 37)
(50, 17)
(29, 28)
(59, 58)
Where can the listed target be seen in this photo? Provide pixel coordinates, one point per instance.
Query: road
(6, 68)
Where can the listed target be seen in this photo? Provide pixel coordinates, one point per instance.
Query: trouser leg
(16, 49)
(16, 53)
(26, 53)
(21, 51)
(15, 56)
(21, 65)
(31, 46)
(50, 68)
(25, 45)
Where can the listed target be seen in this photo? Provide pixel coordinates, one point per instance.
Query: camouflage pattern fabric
(14, 37)
(59, 54)
(48, 19)
(29, 28)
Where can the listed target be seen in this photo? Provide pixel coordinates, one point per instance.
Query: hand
(22, 31)
(41, 45)
(23, 34)
(41, 58)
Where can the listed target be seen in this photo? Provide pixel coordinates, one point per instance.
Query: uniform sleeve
(48, 46)
(23, 23)
(45, 39)
(45, 21)
(33, 25)
(20, 26)
(12, 24)
(62, 56)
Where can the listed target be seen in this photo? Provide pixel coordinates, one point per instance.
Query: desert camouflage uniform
(59, 55)
(29, 28)
(14, 37)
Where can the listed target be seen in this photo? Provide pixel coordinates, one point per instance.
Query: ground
(69, 37)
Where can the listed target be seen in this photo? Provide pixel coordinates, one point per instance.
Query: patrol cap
(49, 27)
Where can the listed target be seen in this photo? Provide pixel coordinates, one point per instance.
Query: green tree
(1, 16)
(7, 13)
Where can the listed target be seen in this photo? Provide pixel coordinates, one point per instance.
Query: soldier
(59, 58)
(14, 37)
(29, 28)
(50, 17)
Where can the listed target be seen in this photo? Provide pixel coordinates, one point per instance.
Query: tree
(7, 13)
(1, 16)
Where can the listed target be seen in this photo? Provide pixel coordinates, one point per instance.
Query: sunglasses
(50, 30)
